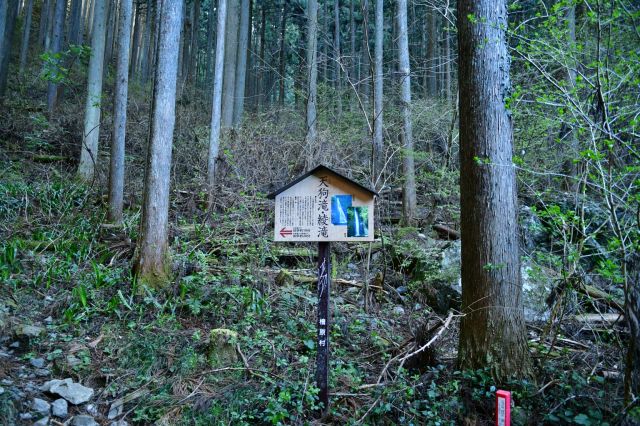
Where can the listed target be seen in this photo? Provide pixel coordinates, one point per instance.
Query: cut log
(599, 318)
(445, 231)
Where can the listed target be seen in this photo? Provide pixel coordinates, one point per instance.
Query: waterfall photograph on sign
(339, 206)
(357, 222)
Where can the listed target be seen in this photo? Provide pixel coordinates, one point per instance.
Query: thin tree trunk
(193, 50)
(365, 58)
(431, 64)
(492, 330)
(211, 30)
(56, 47)
(146, 49)
(216, 109)
(353, 69)
(570, 167)
(409, 185)
(75, 27)
(91, 135)
(116, 169)
(152, 265)
(325, 41)
(44, 14)
(50, 25)
(228, 83)
(241, 63)
(447, 65)
(9, 9)
(260, 84)
(135, 42)
(111, 29)
(26, 31)
(312, 79)
(336, 57)
(283, 53)
(378, 160)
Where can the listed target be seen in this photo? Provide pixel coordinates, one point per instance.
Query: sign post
(503, 408)
(324, 288)
(323, 205)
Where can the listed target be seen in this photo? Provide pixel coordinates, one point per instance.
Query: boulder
(83, 420)
(75, 393)
(41, 406)
(222, 348)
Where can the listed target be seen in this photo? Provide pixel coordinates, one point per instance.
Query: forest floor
(231, 340)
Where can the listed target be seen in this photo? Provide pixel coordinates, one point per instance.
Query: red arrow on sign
(284, 232)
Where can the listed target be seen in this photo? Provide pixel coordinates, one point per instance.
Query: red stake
(503, 408)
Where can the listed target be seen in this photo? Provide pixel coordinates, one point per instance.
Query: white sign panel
(324, 207)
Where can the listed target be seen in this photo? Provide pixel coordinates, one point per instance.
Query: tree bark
(431, 64)
(116, 169)
(56, 48)
(8, 14)
(409, 202)
(216, 109)
(336, 57)
(91, 135)
(75, 26)
(378, 147)
(26, 32)
(44, 14)
(260, 83)
(152, 265)
(211, 30)
(312, 75)
(146, 48)
(492, 330)
(231, 48)
(241, 63)
(365, 63)
(283, 53)
(135, 41)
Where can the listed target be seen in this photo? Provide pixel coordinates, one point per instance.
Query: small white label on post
(501, 412)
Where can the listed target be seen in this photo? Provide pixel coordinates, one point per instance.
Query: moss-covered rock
(222, 346)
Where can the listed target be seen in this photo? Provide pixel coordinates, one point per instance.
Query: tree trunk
(116, 170)
(26, 32)
(91, 135)
(216, 109)
(50, 25)
(447, 65)
(260, 83)
(570, 167)
(336, 57)
(231, 48)
(44, 14)
(283, 53)
(8, 15)
(241, 62)
(353, 63)
(377, 151)
(409, 185)
(492, 330)
(365, 73)
(325, 44)
(431, 64)
(152, 263)
(312, 79)
(56, 48)
(75, 27)
(111, 29)
(193, 50)
(135, 41)
(211, 30)
(146, 48)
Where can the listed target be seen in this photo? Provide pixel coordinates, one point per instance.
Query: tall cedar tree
(152, 263)
(492, 331)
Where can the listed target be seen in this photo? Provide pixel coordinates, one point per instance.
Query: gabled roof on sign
(319, 169)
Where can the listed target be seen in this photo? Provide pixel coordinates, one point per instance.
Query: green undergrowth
(57, 258)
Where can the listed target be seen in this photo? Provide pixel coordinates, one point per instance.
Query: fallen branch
(602, 296)
(450, 233)
(430, 342)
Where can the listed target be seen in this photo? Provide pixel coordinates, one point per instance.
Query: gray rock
(42, 422)
(28, 331)
(48, 320)
(41, 406)
(398, 310)
(60, 408)
(26, 416)
(75, 393)
(83, 420)
(402, 289)
(38, 362)
(92, 409)
(73, 361)
(114, 412)
(1, 390)
(42, 372)
(119, 423)
(15, 345)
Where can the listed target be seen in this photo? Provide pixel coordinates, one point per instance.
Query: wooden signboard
(323, 206)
